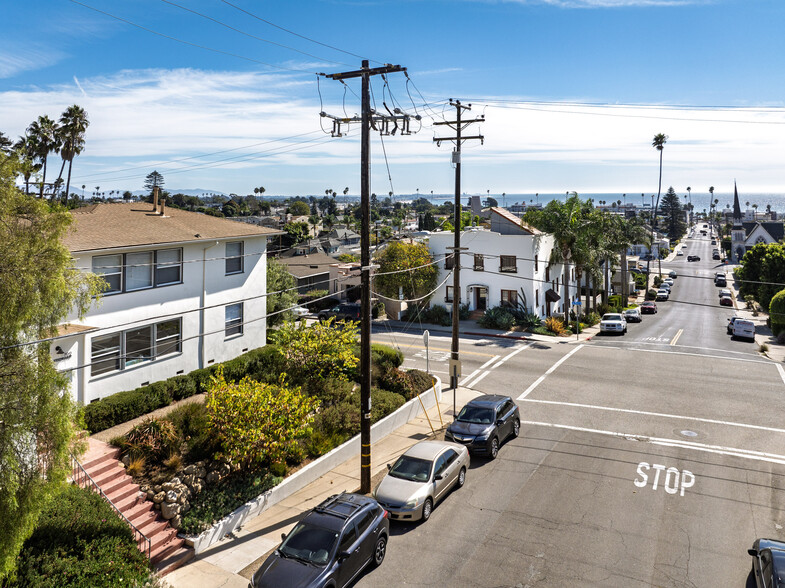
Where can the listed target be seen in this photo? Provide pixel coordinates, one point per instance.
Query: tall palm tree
(43, 133)
(6, 144)
(26, 149)
(73, 125)
(659, 144)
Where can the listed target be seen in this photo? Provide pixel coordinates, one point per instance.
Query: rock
(198, 486)
(189, 471)
(171, 496)
(126, 460)
(212, 477)
(201, 472)
(157, 506)
(176, 521)
(159, 498)
(144, 488)
(150, 494)
(170, 510)
(182, 498)
(175, 481)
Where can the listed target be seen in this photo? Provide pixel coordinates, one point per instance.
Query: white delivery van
(744, 329)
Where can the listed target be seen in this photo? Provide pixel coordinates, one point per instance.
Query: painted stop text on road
(672, 480)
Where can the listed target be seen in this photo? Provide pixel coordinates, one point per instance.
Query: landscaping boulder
(159, 497)
(171, 496)
(169, 510)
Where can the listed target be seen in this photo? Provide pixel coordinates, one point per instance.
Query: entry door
(481, 298)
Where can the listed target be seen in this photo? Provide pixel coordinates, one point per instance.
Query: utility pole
(380, 122)
(458, 125)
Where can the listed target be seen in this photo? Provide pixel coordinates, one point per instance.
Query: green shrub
(651, 294)
(152, 437)
(192, 426)
(385, 356)
(777, 312)
(330, 391)
(615, 300)
(182, 387)
(657, 281)
(397, 381)
(640, 281)
(463, 312)
(592, 318)
(421, 381)
(435, 315)
(542, 331)
(497, 317)
(80, 541)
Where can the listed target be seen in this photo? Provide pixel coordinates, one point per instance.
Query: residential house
(509, 264)
(185, 290)
(315, 270)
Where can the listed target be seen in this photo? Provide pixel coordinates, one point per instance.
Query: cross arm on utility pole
(373, 71)
(464, 122)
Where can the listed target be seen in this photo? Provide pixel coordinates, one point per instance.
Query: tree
(73, 125)
(490, 202)
(297, 232)
(318, 351)
(257, 423)
(152, 180)
(299, 208)
(659, 144)
(673, 212)
(37, 414)
(418, 282)
(43, 135)
(6, 144)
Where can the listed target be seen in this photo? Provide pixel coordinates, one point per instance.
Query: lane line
(658, 414)
(490, 361)
(679, 353)
(550, 371)
(470, 376)
(781, 371)
(477, 381)
(685, 347)
(676, 338)
(718, 449)
(512, 354)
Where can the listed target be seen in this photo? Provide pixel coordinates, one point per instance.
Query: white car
(744, 329)
(668, 281)
(663, 294)
(300, 311)
(613, 322)
(680, 253)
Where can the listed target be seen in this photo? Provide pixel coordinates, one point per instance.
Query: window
(548, 273)
(508, 264)
(105, 354)
(449, 261)
(168, 267)
(450, 456)
(138, 270)
(441, 465)
(479, 262)
(110, 267)
(365, 521)
(234, 257)
(509, 298)
(536, 298)
(450, 294)
(349, 536)
(127, 348)
(234, 320)
(535, 264)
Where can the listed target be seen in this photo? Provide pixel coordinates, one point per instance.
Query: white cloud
(16, 60)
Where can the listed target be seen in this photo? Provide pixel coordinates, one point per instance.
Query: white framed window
(168, 266)
(234, 257)
(138, 345)
(168, 337)
(105, 356)
(110, 268)
(122, 350)
(138, 270)
(233, 319)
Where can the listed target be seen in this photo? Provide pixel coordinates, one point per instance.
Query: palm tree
(26, 148)
(6, 144)
(659, 144)
(83, 187)
(43, 133)
(73, 125)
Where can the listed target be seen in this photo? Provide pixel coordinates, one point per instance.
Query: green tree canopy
(38, 288)
(280, 293)
(299, 208)
(419, 281)
(153, 180)
(673, 214)
(318, 351)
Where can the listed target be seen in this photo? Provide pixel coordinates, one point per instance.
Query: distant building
(186, 290)
(745, 234)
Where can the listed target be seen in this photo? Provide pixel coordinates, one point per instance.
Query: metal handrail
(82, 476)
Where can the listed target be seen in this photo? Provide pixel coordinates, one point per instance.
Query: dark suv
(484, 423)
(768, 563)
(347, 311)
(329, 547)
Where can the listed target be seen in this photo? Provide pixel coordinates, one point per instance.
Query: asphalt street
(653, 459)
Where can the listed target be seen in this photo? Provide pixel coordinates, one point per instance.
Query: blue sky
(572, 91)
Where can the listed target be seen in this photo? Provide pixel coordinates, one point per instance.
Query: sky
(224, 96)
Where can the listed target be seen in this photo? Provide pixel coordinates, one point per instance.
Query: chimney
(163, 206)
(155, 198)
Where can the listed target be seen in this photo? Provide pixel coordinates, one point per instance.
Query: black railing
(82, 479)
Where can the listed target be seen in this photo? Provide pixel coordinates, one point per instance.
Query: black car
(693, 258)
(348, 311)
(484, 423)
(329, 547)
(768, 563)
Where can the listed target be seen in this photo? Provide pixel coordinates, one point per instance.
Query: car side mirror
(438, 477)
(344, 555)
(500, 422)
(753, 552)
(283, 536)
(389, 466)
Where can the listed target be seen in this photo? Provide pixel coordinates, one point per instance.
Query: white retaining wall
(313, 470)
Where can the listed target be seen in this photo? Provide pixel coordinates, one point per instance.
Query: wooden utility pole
(368, 117)
(458, 125)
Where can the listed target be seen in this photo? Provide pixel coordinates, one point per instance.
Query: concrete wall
(313, 471)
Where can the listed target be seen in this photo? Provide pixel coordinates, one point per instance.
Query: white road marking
(681, 480)
(680, 353)
(732, 451)
(676, 338)
(470, 376)
(513, 353)
(490, 361)
(550, 371)
(658, 414)
(477, 381)
(781, 371)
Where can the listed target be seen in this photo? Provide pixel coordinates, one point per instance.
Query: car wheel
(461, 478)
(494, 447)
(380, 551)
(516, 428)
(427, 509)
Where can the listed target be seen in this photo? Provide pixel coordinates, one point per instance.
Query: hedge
(777, 312)
(80, 541)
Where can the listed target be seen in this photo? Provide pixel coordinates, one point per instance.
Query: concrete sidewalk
(231, 562)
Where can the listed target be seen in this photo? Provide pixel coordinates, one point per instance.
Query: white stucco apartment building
(186, 290)
(499, 262)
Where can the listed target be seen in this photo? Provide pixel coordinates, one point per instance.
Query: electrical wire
(189, 43)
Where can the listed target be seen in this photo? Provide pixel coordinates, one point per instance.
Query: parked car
(484, 423)
(666, 286)
(348, 311)
(720, 281)
(663, 294)
(632, 315)
(680, 252)
(724, 292)
(300, 311)
(743, 329)
(768, 563)
(649, 307)
(673, 274)
(420, 478)
(330, 546)
(715, 255)
(668, 281)
(726, 301)
(693, 258)
(613, 322)
(732, 320)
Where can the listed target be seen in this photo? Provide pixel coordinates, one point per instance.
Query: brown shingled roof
(108, 226)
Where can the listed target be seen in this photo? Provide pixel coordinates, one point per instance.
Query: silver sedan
(420, 478)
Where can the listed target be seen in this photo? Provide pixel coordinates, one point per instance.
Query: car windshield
(413, 469)
(631, 311)
(309, 543)
(476, 414)
(611, 317)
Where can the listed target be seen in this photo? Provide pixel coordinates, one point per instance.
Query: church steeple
(736, 207)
